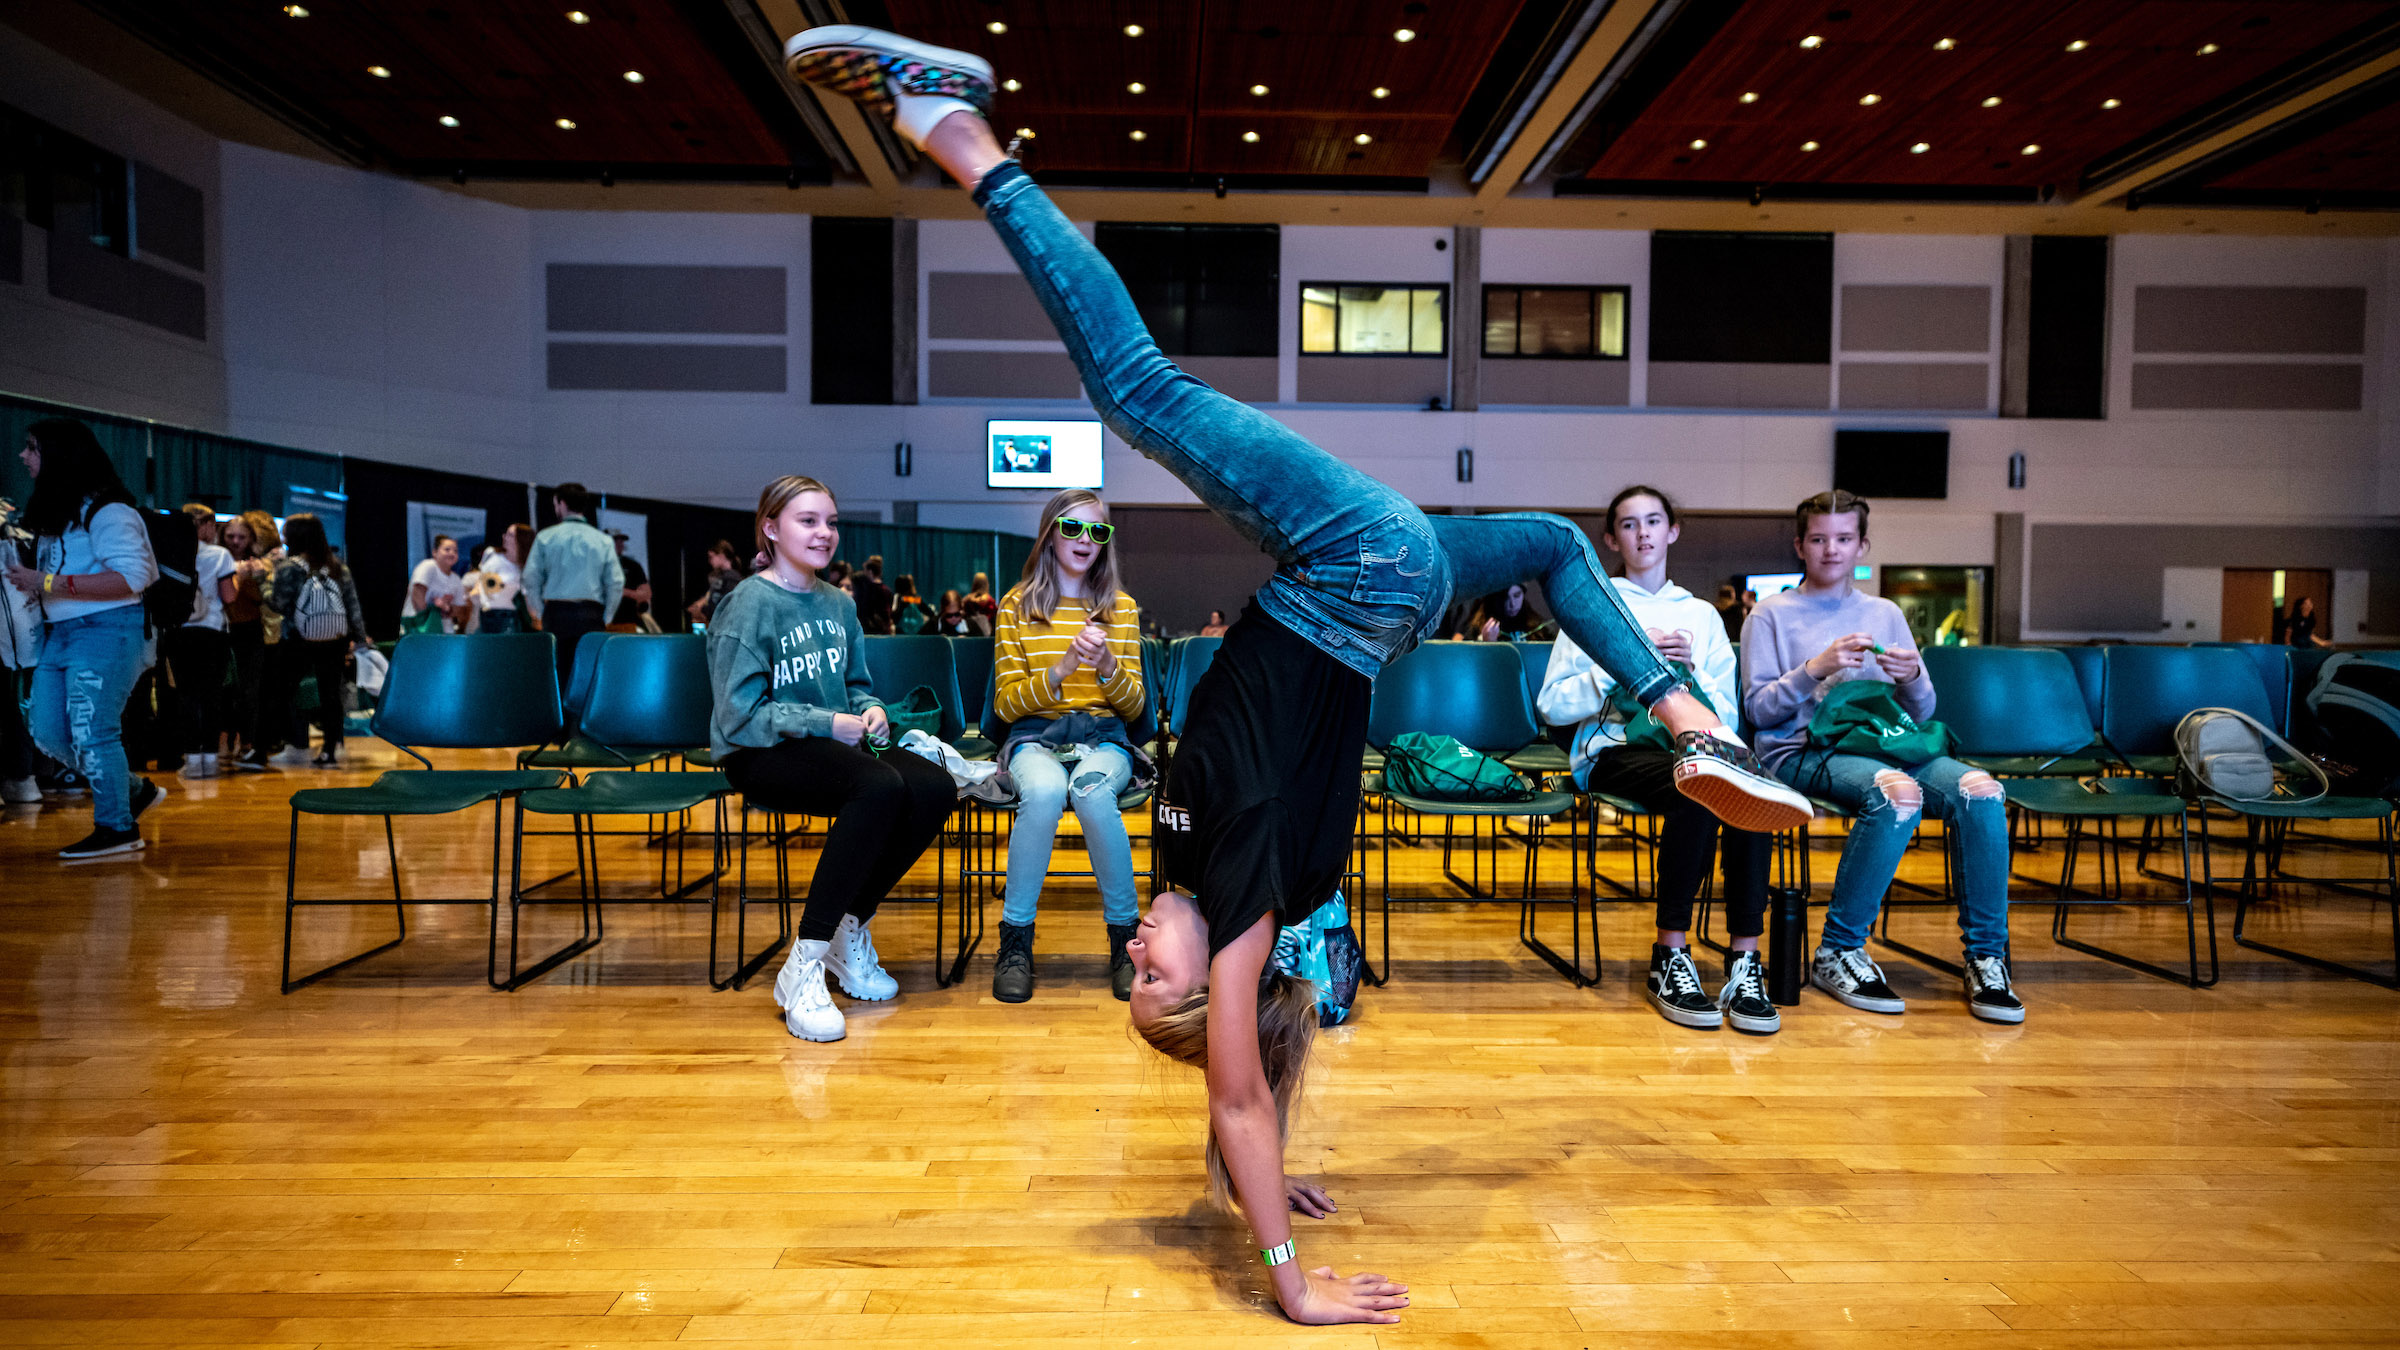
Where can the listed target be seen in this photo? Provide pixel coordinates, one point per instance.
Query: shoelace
(862, 949)
(1859, 968)
(1747, 980)
(1681, 975)
(1991, 972)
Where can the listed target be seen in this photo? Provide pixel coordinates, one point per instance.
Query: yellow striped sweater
(1024, 651)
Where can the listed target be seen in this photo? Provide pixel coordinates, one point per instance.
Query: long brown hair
(1287, 1031)
(264, 537)
(771, 502)
(1036, 591)
(304, 537)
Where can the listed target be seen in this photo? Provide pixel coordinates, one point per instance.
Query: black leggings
(1687, 842)
(886, 812)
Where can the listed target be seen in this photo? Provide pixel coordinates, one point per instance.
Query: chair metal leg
(1572, 967)
(2192, 904)
(587, 891)
(746, 969)
(2256, 881)
(292, 904)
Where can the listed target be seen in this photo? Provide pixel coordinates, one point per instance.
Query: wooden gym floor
(399, 1156)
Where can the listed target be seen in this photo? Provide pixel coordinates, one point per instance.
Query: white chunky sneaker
(852, 961)
(810, 1014)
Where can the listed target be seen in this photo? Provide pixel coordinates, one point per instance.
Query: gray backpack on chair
(2227, 754)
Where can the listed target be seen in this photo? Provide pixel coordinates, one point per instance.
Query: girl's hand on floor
(1327, 1298)
(1309, 1200)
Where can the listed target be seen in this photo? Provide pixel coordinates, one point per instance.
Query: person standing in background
(573, 579)
(636, 600)
(2301, 629)
(249, 537)
(873, 597)
(724, 569)
(92, 561)
(436, 587)
(198, 653)
(322, 623)
(20, 645)
(503, 580)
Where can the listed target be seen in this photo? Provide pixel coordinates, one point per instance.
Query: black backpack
(175, 543)
(2357, 707)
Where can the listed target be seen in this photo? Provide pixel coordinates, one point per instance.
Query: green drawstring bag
(1438, 768)
(1864, 717)
(1641, 729)
(919, 710)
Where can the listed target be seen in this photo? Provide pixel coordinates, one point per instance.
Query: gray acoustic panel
(1248, 378)
(1563, 384)
(1409, 380)
(623, 298)
(986, 305)
(1916, 384)
(669, 367)
(169, 218)
(12, 250)
(2251, 320)
(2256, 386)
(1738, 384)
(1002, 375)
(1916, 318)
(127, 289)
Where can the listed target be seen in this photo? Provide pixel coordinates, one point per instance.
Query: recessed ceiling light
(1381, 92)
(995, 28)
(578, 16)
(380, 72)
(1011, 85)
(1919, 148)
(1133, 30)
(1699, 145)
(1250, 138)
(634, 77)
(1139, 135)
(2112, 103)
(1946, 44)
(2031, 150)
(1749, 98)
(1363, 138)
(1025, 133)
(565, 124)
(2208, 49)
(448, 121)
(1808, 145)
(1137, 87)
(1404, 35)
(296, 11)
(1992, 102)
(1812, 42)
(1870, 100)
(2077, 45)
(1258, 91)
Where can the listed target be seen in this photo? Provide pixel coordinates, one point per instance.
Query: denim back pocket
(1398, 563)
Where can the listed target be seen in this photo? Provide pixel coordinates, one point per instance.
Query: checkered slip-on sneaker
(875, 67)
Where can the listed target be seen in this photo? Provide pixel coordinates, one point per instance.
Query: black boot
(1120, 966)
(1012, 972)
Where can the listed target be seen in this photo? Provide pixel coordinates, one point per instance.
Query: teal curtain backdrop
(167, 466)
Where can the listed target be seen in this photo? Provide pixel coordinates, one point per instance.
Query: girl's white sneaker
(853, 961)
(809, 1012)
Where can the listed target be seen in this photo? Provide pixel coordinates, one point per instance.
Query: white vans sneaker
(853, 962)
(198, 766)
(20, 792)
(809, 1012)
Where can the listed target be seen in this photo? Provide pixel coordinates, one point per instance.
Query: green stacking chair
(2013, 717)
(2091, 676)
(2307, 664)
(899, 665)
(1547, 755)
(450, 692)
(1193, 657)
(576, 753)
(2274, 663)
(2150, 689)
(649, 695)
(2048, 701)
(2269, 825)
(973, 658)
(1475, 692)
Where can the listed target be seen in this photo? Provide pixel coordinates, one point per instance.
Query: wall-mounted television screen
(1892, 463)
(1765, 584)
(1042, 454)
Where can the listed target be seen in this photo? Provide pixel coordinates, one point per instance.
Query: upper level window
(1203, 290)
(63, 183)
(1586, 322)
(1365, 319)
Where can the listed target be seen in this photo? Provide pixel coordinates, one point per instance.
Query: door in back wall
(2253, 610)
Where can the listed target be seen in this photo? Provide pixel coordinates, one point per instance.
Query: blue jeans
(87, 671)
(1879, 834)
(1044, 793)
(1361, 573)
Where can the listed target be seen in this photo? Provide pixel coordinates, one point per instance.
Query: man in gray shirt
(573, 579)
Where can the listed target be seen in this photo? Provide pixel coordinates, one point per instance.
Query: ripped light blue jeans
(1046, 785)
(1879, 834)
(1361, 573)
(86, 673)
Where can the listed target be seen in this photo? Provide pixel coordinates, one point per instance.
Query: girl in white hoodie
(1575, 692)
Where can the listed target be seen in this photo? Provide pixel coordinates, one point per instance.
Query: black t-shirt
(630, 610)
(1262, 795)
(2303, 631)
(874, 603)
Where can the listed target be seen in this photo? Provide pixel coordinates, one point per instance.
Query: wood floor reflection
(616, 1153)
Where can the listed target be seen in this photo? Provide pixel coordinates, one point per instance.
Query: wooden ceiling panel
(2146, 55)
(2362, 155)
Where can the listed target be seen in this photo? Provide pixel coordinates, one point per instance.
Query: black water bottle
(1787, 944)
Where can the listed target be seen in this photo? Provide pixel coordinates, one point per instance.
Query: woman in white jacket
(1575, 692)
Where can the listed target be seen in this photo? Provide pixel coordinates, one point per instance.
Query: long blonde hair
(1287, 1031)
(1037, 589)
(771, 502)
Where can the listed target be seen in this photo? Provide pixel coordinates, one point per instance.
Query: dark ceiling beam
(869, 149)
(768, 48)
(187, 38)
(2129, 187)
(1558, 50)
(1611, 44)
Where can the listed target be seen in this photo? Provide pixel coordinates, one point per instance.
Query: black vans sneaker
(146, 794)
(1744, 997)
(1676, 992)
(1988, 993)
(1852, 978)
(104, 843)
(1721, 774)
